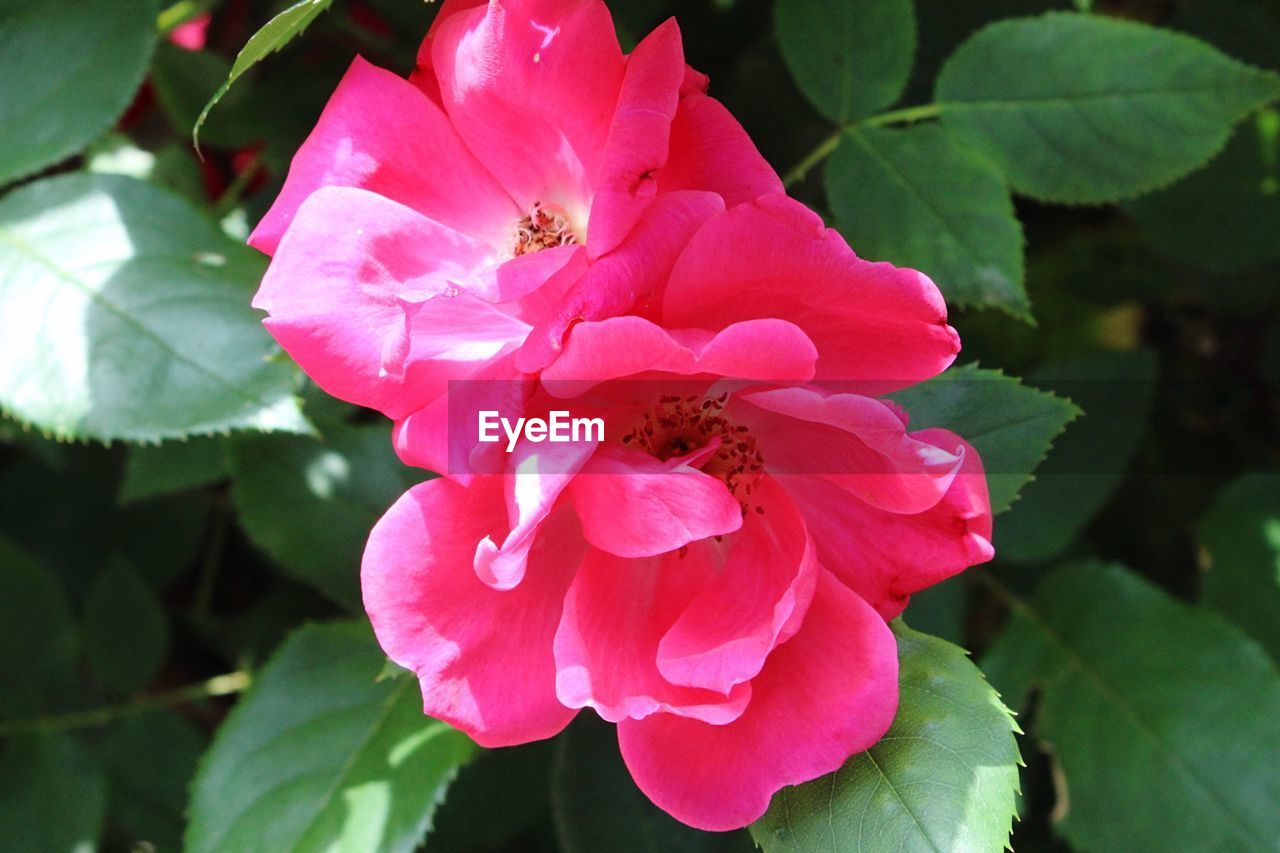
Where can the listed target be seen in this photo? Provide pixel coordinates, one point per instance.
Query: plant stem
(221, 685)
(827, 147)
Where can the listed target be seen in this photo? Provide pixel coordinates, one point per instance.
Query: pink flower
(527, 174)
(714, 576)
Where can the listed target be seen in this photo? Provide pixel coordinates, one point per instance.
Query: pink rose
(714, 576)
(429, 225)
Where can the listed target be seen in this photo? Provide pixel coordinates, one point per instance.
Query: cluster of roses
(535, 213)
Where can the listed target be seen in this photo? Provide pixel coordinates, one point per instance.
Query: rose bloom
(714, 576)
(526, 174)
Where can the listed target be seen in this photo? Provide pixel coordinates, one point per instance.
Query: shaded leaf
(849, 57)
(319, 756)
(126, 632)
(919, 198)
(1083, 108)
(70, 69)
(175, 466)
(310, 504)
(149, 761)
(944, 778)
(1240, 538)
(127, 317)
(52, 795)
(37, 636)
(1225, 218)
(1115, 390)
(1160, 716)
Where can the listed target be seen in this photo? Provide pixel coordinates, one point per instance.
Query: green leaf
(71, 68)
(1225, 218)
(1160, 716)
(1011, 425)
(126, 633)
(598, 807)
(37, 636)
(52, 795)
(274, 35)
(1115, 390)
(943, 779)
(175, 466)
(919, 198)
(149, 761)
(310, 504)
(1240, 544)
(318, 756)
(849, 57)
(127, 317)
(1087, 109)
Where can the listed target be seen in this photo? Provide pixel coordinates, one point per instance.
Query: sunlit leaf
(944, 778)
(1085, 108)
(319, 756)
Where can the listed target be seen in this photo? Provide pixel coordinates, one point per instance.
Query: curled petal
(829, 692)
(483, 656)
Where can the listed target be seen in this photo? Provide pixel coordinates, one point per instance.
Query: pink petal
(754, 603)
(540, 472)
(483, 657)
(875, 325)
(637, 145)
(763, 350)
(864, 446)
(634, 505)
(711, 151)
(531, 86)
(349, 288)
(606, 647)
(828, 693)
(885, 556)
(629, 278)
(380, 134)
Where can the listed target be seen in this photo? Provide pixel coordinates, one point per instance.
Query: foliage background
(181, 516)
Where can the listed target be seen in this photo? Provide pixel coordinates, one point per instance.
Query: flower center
(544, 227)
(678, 426)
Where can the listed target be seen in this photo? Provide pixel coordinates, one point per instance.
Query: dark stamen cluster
(681, 425)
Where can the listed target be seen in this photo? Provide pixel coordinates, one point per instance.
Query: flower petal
(484, 657)
(756, 602)
(540, 472)
(606, 647)
(885, 556)
(379, 133)
(634, 505)
(354, 275)
(830, 692)
(709, 150)
(761, 350)
(877, 326)
(638, 140)
(512, 80)
(629, 279)
(864, 445)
